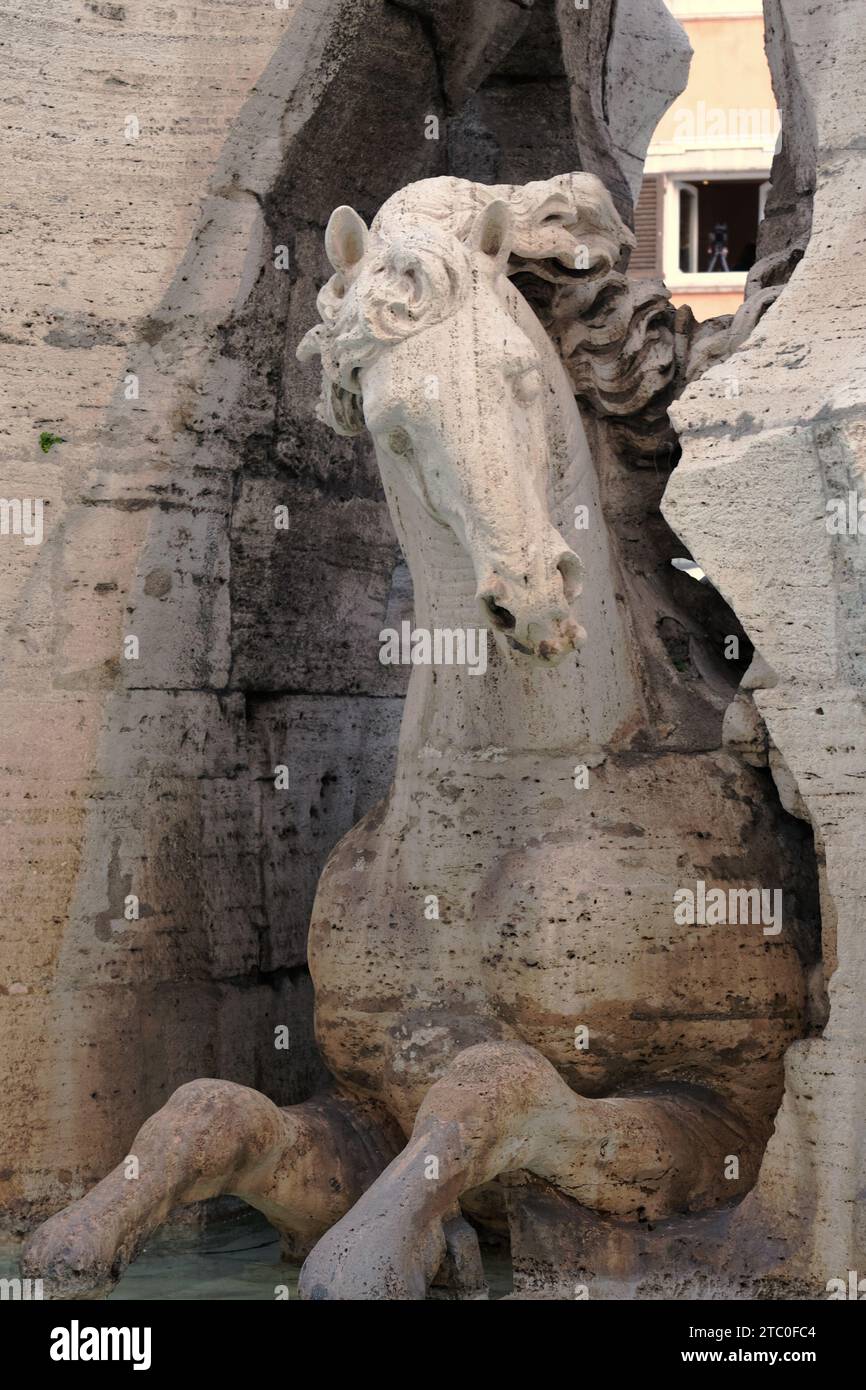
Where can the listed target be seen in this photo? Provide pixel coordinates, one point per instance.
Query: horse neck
(518, 707)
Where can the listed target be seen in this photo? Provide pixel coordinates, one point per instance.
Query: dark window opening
(719, 224)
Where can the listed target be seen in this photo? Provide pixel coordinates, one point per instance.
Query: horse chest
(552, 919)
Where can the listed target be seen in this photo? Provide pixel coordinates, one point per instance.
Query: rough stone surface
(496, 904)
(648, 56)
(626, 61)
(156, 776)
(158, 255)
(751, 499)
(99, 226)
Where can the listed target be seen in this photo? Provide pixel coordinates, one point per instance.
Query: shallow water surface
(232, 1260)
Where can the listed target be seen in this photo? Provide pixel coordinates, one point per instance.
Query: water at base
(231, 1261)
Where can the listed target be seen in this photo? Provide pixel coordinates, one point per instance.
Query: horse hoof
(368, 1261)
(70, 1260)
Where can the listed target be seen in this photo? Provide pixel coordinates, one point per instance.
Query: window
(718, 224)
(689, 223)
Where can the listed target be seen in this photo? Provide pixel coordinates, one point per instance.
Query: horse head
(420, 346)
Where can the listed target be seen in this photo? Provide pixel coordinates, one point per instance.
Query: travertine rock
(510, 901)
(647, 64)
(159, 522)
(161, 525)
(752, 498)
(97, 226)
(458, 1028)
(626, 61)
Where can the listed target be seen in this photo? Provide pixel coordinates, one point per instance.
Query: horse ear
(491, 233)
(345, 238)
(310, 345)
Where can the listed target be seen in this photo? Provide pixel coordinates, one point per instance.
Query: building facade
(707, 172)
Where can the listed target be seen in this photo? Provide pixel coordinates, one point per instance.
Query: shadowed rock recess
(208, 776)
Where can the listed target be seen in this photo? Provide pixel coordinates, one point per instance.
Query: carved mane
(615, 335)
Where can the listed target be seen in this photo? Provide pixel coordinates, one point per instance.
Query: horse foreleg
(501, 1107)
(303, 1167)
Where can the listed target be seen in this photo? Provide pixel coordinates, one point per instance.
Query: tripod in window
(717, 250)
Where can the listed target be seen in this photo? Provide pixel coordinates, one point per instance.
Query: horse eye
(527, 385)
(399, 443)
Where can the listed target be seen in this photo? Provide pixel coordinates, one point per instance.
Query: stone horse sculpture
(502, 986)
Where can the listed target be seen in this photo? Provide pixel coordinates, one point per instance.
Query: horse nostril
(500, 617)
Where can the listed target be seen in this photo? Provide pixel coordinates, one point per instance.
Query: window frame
(684, 282)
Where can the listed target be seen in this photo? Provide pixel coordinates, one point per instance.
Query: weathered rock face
(626, 62)
(258, 646)
(102, 223)
(154, 777)
(754, 497)
(506, 897)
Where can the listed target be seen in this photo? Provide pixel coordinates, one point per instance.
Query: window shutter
(645, 257)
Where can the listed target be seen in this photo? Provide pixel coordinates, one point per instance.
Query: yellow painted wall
(710, 304)
(729, 69)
